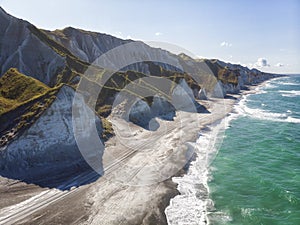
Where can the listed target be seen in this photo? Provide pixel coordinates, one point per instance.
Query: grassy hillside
(22, 101)
(17, 89)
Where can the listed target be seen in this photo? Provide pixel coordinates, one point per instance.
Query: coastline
(195, 194)
(113, 198)
(193, 185)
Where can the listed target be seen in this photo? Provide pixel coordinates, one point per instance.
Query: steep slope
(49, 145)
(16, 89)
(32, 52)
(22, 100)
(21, 49)
(60, 59)
(87, 46)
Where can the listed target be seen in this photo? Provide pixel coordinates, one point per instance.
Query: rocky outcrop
(238, 77)
(182, 98)
(143, 114)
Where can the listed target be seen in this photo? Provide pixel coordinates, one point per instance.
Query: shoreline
(113, 198)
(193, 184)
(205, 204)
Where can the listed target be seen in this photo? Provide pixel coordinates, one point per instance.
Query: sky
(260, 33)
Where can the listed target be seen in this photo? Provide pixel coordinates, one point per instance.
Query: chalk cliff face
(21, 49)
(87, 46)
(33, 57)
(182, 98)
(49, 141)
(60, 58)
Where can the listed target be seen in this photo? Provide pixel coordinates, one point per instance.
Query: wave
(270, 85)
(193, 205)
(261, 114)
(288, 83)
(292, 93)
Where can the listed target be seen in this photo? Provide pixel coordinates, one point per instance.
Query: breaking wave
(261, 114)
(292, 93)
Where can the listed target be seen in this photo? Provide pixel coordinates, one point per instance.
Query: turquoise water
(256, 174)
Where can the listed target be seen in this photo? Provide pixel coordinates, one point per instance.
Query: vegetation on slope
(16, 89)
(22, 100)
(223, 74)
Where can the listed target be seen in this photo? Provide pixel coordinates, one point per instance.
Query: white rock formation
(126, 54)
(162, 108)
(218, 91)
(140, 113)
(49, 141)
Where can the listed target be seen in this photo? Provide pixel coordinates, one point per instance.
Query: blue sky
(260, 33)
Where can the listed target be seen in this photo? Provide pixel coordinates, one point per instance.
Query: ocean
(255, 177)
(247, 169)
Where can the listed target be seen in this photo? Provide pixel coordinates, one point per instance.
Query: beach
(155, 174)
(137, 183)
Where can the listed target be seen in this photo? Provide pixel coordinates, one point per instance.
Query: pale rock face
(140, 113)
(231, 88)
(49, 141)
(87, 46)
(162, 108)
(202, 94)
(183, 97)
(126, 54)
(218, 91)
(183, 89)
(21, 49)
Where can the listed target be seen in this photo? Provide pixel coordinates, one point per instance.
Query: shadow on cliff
(58, 175)
(150, 122)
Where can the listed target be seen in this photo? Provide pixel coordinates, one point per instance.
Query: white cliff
(50, 140)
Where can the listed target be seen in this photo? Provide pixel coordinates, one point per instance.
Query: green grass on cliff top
(17, 89)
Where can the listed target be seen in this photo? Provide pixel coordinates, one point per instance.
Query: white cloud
(225, 44)
(158, 34)
(279, 65)
(261, 62)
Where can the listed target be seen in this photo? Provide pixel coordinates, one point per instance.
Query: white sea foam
(288, 83)
(269, 85)
(292, 93)
(261, 92)
(192, 206)
(292, 120)
(244, 110)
